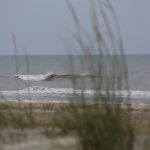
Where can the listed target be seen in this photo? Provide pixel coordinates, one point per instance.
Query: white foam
(48, 76)
(66, 91)
(38, 77)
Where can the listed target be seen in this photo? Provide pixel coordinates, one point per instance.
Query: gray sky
(40, 24)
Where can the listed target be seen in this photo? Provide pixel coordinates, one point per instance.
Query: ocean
(48, 78)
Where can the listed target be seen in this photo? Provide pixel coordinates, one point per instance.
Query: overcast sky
(39, 25)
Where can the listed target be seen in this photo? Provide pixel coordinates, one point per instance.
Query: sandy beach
(140, 114)
(42, 112)
(63, 106)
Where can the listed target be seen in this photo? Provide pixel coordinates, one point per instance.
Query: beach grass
(105, 127)
(86, 125)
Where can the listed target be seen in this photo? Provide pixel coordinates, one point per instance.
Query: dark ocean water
(48, 77)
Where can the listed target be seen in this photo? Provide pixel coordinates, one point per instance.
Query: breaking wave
(66, 91)
(50, 76)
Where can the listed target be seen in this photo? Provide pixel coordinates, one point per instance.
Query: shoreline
(64, 105)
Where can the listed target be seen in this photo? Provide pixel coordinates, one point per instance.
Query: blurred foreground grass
(87, 127)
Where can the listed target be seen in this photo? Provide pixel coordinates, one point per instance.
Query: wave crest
(49, 76)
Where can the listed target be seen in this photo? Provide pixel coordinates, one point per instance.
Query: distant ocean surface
(47, 78)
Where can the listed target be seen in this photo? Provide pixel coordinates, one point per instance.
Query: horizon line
(64, 54)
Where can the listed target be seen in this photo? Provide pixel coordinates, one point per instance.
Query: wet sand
(63, 105)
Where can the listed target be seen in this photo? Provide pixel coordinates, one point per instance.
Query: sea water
(49, 78)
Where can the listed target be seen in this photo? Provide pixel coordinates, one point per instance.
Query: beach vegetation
(106, 125)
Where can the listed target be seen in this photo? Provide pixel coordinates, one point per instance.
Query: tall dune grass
(105, 126)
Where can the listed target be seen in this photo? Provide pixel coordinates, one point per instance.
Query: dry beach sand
(140, 118)
(140, 114)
